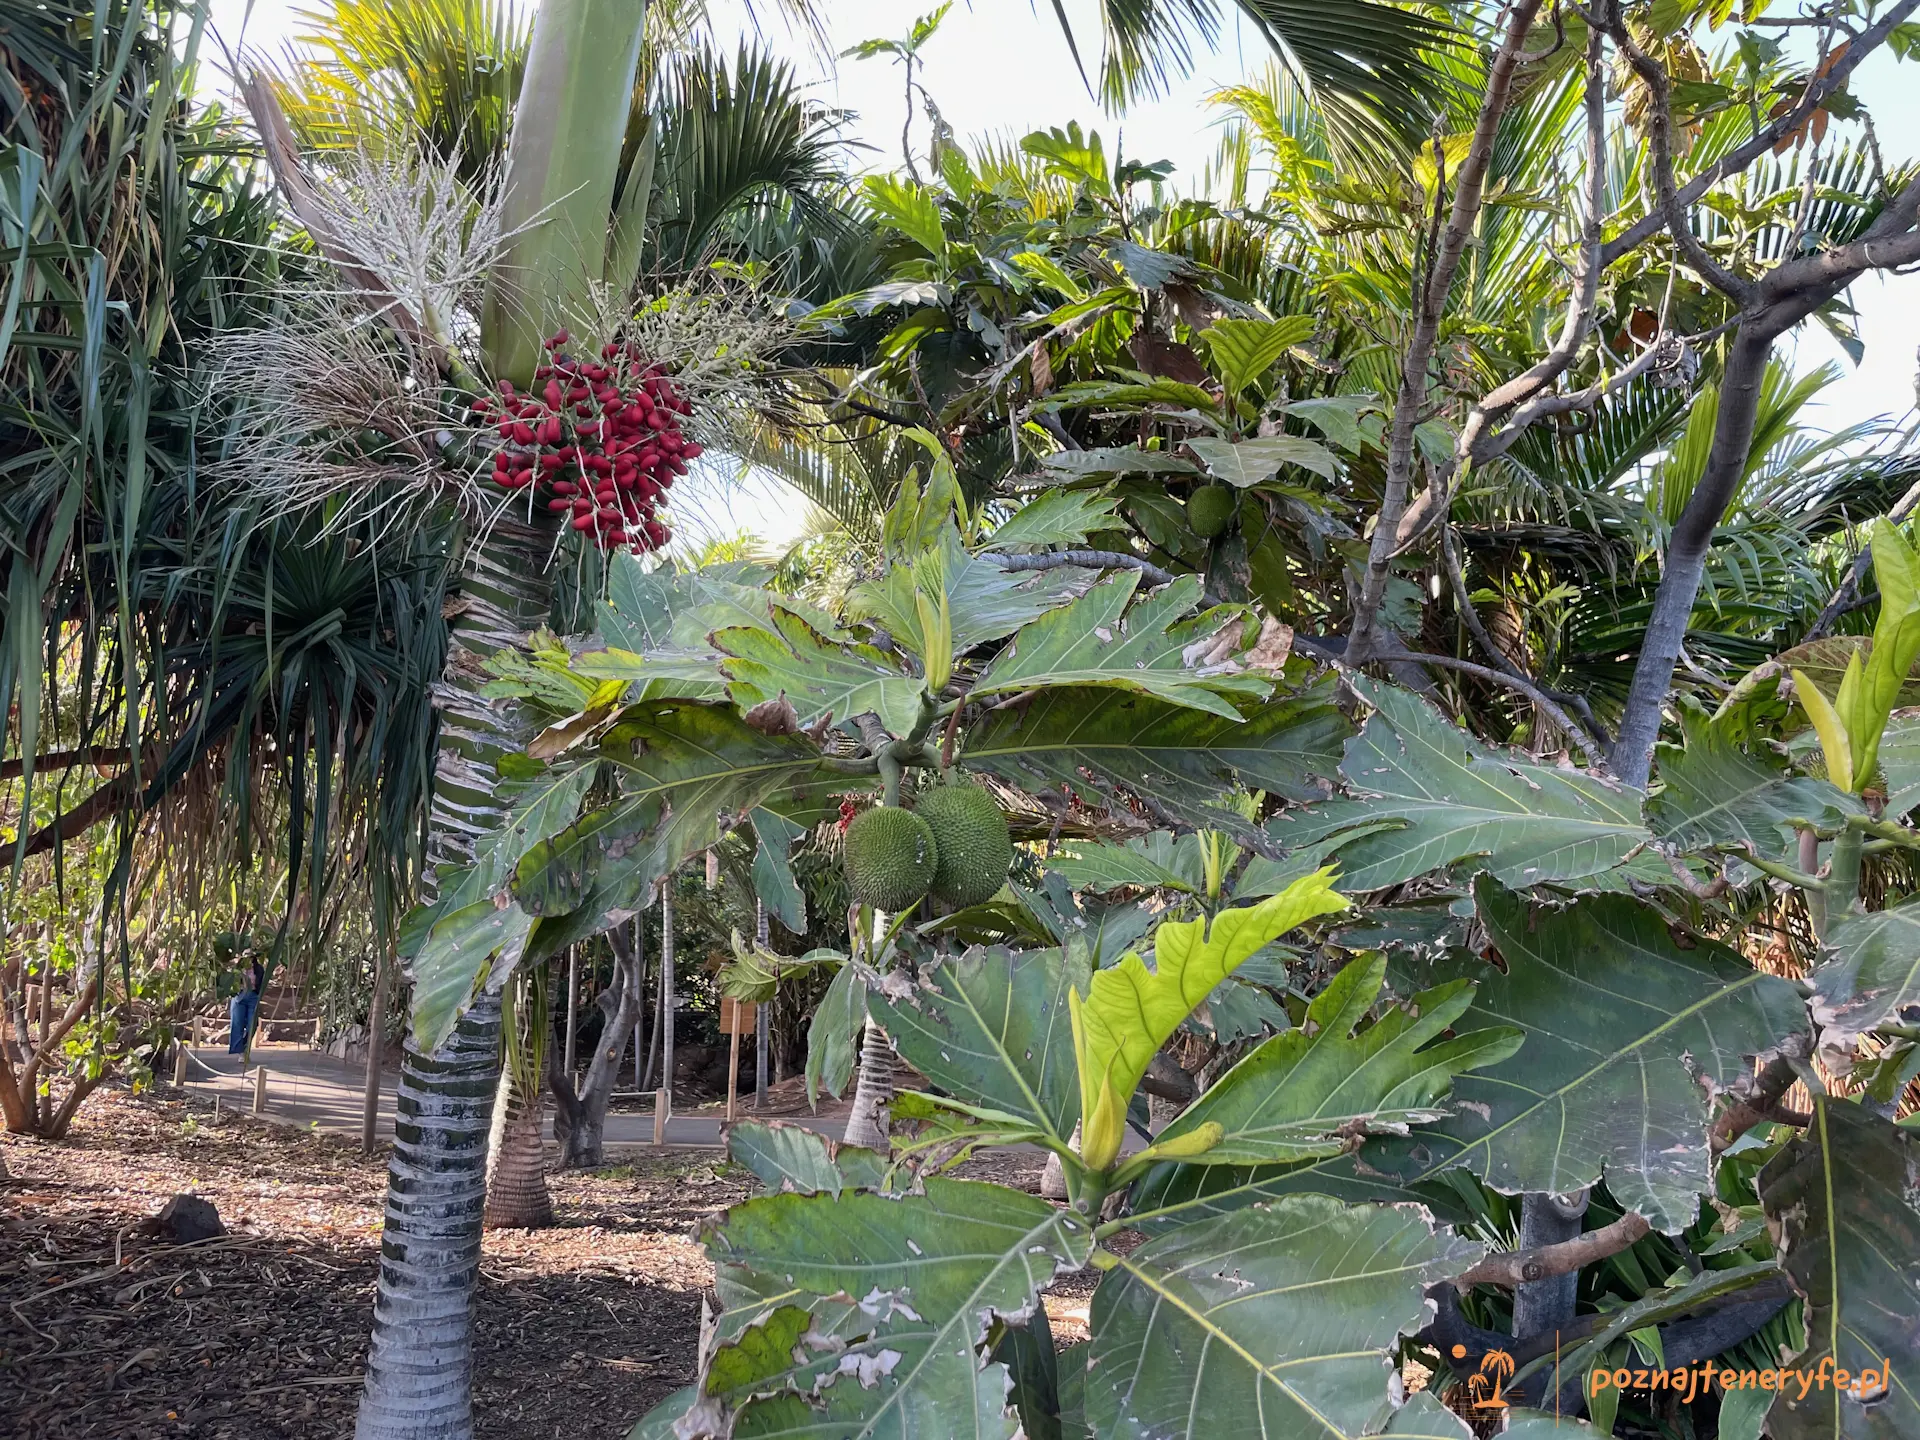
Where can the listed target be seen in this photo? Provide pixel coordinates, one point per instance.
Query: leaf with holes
(900, 1290)
(1843, 1201)
(1624, 1028)
(1270, 1323)
(991, 1028)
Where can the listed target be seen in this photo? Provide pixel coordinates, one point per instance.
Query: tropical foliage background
(1447, 692)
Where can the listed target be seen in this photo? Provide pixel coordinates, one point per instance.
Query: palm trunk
(420, 1360)
(419, 1364)
(873, 1091)
(517, 1196)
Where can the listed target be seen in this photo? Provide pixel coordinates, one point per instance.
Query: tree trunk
(582, 1137)
(867, 1125)
(376, 1023)
(1686, 557)
(517, 1196)
(666, 989)
(420, 1360)
(764, 1019)
(419, 1363)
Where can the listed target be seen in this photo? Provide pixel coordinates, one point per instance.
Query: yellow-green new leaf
(1896, 645)
(1130, 1011)
(1827, 725)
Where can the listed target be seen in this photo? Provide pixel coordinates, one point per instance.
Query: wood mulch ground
(261, 1334)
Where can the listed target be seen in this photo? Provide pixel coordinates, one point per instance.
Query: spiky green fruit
(891, 857)
(1210, 510)
(974, 846)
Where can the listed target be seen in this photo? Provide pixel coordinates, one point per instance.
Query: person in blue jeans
(242, 1009)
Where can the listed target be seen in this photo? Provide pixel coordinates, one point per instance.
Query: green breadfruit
(891, 858)
(971, 836)
(1210, 510)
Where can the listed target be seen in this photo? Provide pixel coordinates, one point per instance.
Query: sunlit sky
(1002, 67)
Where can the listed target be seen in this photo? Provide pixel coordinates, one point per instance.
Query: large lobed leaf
(1843, 1201)
(822, 678)
(1714, 793)
(1129, 1011)
(985, 602)
(686, 771)
(1106, 638)
(1626, 1031)
(1314, 1090)
(1182, 763)
(1270, 1323)
(896, 1293)
(1458, 799)
(991, 1028)
(1874, 975)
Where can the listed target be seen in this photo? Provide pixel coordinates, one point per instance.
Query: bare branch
(1741, 156)
(1756, 1097)
(1672, 212)
(1469, 189)
(1590, 733)
(1523, 1267)
(1084, 560)
(1844, 593)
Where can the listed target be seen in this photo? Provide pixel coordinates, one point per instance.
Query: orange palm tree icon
(1496, 1368)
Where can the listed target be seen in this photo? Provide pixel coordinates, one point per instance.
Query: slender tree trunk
(583, 1142)
(419, 1362)
(517, 1196)
(666, 989)
(872, 1093)
(1686, 557)
(376, 1023)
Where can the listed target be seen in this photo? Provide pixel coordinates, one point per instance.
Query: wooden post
(259, 1089)
(376, 1022)
(736, 1017)
(180, 1061)
(666, 988)
(733, 1072)
(760, 1029)
(659, 1117)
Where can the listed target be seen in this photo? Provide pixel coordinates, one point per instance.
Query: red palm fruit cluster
(601, 441)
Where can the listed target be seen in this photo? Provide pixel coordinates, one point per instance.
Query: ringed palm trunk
(562, 171)
(419, 1362)
(873, 1091)
(517, 1196)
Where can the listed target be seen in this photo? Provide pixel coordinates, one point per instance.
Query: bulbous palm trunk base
(1053, 1179)
(873, 1092)
(517, 1197)
(420, 1360)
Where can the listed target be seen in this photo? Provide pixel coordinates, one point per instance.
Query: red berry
(583, 522)
(692, 452)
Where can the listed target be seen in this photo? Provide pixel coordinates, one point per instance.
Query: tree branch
(1469, 189)
(1083, 560)
(1522, 1267)
(67, 760)
(1757, 1097)
(1844, 593)
(1762, 143)
(1523, 685)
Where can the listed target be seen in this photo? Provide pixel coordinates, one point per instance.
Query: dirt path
(262, 1335)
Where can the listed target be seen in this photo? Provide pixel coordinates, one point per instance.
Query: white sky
(1002, 67)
